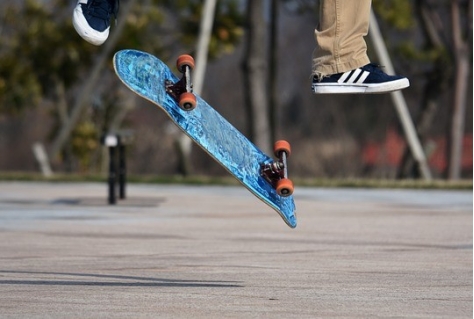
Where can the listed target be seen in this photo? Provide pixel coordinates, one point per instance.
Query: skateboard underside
(145, 75)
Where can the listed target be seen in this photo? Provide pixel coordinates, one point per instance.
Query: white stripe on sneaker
(343, 77)
(354, 76)
(363, 77)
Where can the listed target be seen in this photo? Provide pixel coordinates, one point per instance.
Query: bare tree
(436, 84)
(80, 103)
(452, 48)
(462, 55)
(256, 79)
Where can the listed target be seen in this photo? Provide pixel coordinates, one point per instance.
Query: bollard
(112, 175)
(116, 143)
(122, 170)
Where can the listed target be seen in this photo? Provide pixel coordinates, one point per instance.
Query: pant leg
(340, 36)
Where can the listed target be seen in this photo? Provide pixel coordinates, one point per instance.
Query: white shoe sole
(354, 88)
(85, 31)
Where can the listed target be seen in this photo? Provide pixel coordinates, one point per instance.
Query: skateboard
(263, 176)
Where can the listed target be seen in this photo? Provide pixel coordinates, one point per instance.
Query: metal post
(112, 175)
(122, 170)
(399, 101)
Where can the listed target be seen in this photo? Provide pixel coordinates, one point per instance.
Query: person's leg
(340, 36)
(340, 61)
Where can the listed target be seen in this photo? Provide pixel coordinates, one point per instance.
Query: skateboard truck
(276, 173)
(182, 91)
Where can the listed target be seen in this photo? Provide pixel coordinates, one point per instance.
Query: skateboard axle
(178, 88)
(182, 91)
(276, 173)
(272, 171)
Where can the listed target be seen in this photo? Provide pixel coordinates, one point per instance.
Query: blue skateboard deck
(145, 75)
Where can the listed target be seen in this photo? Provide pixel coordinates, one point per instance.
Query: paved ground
(217, 252)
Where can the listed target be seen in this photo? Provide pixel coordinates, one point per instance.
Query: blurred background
(60, 94)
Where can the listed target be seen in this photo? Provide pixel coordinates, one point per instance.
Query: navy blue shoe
(367, 79)
(91, 19)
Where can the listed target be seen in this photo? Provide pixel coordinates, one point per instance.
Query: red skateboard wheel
(281, 146)
(285, 187)
(183, 61)
(187, 101)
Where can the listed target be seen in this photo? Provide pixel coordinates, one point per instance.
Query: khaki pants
(340, 36)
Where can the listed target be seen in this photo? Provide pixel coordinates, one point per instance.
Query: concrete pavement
(218, 252)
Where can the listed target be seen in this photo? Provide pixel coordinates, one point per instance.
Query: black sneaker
(91, 19)
(367, 79)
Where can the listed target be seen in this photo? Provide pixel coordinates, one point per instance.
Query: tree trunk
(256, 80)
(437, 83)
(462, 67)
(273, 75)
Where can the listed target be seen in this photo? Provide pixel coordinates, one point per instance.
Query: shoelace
(103, 8)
